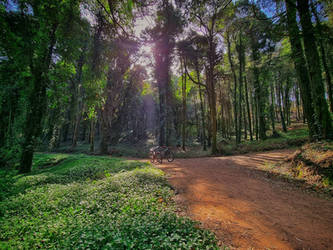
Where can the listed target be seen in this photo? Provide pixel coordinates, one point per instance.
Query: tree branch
(113, 18)
(191, 78)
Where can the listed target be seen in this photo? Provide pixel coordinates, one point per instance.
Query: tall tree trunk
(65, 128)
(298, 113)
(36, 103)
(258, 92)
(235, 87)
(76, 130)
(300, 65)
(245, 123)
(317, 86)
(92, 135)
(248, 109)
(162, 117)
(203, 117)
(196, 117)
(202, 108)
(256, 104)
(241, 62)
(209, 129)
(222, 127)
(168, 119)
(323, 56)
(272, 108)
(210, 83)
(184, 110)
(84, 129)
(286, 101)
(105, 132)
(79, 93)
(278, 93)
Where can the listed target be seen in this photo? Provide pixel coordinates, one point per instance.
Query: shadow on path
(247, 209)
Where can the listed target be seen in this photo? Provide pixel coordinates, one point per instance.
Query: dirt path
(247, 209)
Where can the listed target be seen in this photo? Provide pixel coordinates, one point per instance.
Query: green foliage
(293, 138)
(146, 89)
(39, 46)
(58, 93)
(190, 85)
(78, 201)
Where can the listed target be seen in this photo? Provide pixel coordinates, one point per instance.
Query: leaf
(130, 5)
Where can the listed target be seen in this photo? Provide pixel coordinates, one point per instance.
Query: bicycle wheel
(170, 156)
(152, 157)
(159, 157)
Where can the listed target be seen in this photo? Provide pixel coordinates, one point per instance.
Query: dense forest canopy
(181, 72)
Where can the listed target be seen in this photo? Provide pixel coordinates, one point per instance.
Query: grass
(79, 202)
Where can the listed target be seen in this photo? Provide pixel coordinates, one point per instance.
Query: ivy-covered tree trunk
(300, 66)
(37, 106)
(37, 102)
(312, 56)
(78, 94)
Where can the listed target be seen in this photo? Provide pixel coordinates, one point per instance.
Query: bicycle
(161, 152)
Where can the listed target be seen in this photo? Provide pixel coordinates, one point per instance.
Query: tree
(168, 24)
(46, 26)
(313, 59)
(300, 66)
(206, 15)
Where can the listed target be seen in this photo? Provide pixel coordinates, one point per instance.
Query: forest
(78, 72)
(86, 84)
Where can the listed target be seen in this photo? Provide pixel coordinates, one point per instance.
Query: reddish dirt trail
(245, 209)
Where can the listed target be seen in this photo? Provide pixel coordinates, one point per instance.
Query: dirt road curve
(245, 208)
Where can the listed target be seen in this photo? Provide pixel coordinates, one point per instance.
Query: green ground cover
(79, 201)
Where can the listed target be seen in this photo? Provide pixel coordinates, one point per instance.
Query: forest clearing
(166, 124)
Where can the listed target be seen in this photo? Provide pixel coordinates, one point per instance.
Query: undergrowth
(293, 138)
(312, 164)
(81, 202)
